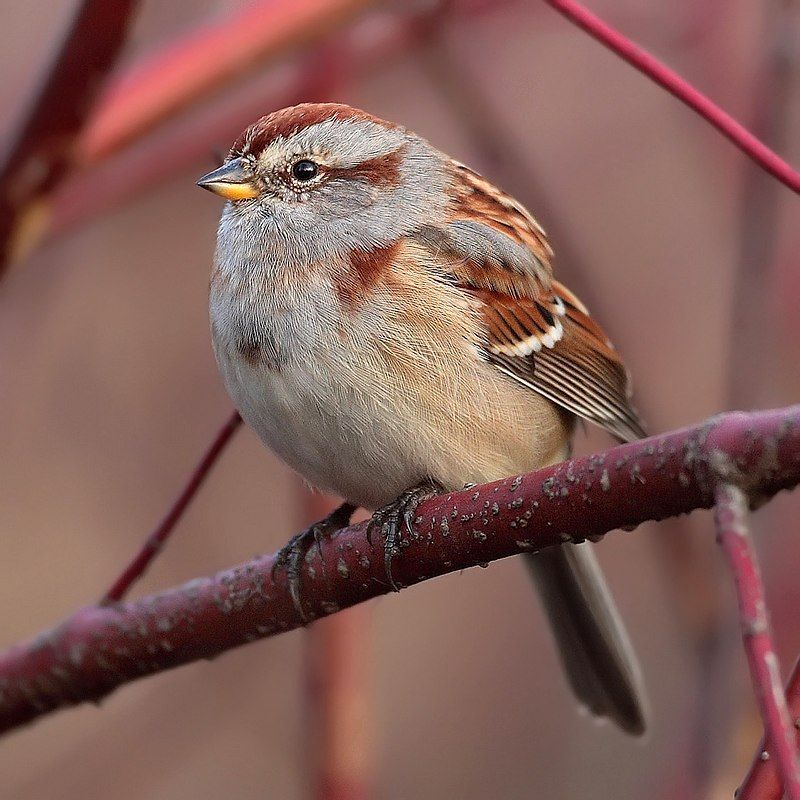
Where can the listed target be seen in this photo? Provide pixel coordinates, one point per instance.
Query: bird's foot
(290, 556)
(388, 521)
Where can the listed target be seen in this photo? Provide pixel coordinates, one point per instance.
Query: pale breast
(366, 404)
(295, 377)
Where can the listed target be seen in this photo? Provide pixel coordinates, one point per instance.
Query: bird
(388, 322)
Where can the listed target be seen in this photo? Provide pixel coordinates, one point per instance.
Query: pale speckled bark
(98, 649)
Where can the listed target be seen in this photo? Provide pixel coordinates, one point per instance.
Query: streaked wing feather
(580, 371)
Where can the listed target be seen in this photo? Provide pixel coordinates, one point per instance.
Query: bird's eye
(304, 170)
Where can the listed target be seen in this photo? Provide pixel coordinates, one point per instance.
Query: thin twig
(156, 540)
(100, 648)
(757, 248)
(750, 333)
(42, 151)
(763, 781)
(730, 515)
(678, 87)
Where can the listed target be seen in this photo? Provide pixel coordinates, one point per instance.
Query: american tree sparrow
(388, 322)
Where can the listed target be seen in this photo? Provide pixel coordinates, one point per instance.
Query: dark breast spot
(249, 350)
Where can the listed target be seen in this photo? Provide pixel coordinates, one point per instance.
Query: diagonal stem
(730, 514)
(647, 64)
(156, 540)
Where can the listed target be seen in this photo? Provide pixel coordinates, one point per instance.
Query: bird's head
(320, 179)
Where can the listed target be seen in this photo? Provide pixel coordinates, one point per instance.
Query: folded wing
(537, 332)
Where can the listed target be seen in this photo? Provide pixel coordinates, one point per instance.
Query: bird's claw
(290, 556)
(388, 520)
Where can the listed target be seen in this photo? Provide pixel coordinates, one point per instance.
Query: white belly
(337, 445)
(308, 400)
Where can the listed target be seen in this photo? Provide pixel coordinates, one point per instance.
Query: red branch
(156, 540)
(166, 82)
(100, 648)
(42, 151)
(731, 520)
(763, 781)
(678, 87)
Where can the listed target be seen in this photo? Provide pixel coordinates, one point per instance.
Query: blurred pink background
(109, 393)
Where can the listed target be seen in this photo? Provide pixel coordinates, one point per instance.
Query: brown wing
(569, 361)
(537, 331)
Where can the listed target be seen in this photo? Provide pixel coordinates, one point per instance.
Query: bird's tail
(590, 635)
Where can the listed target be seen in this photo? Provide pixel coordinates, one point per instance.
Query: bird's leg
(388, 521)
(290, 555)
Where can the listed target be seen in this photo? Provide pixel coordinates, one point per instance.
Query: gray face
(330, 188)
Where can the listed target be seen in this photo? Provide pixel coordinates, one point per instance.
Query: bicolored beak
(230, 181)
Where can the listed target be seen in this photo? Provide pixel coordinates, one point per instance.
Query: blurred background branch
(44, 147)
(203, 60)
(371, 41)
(339, 733)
